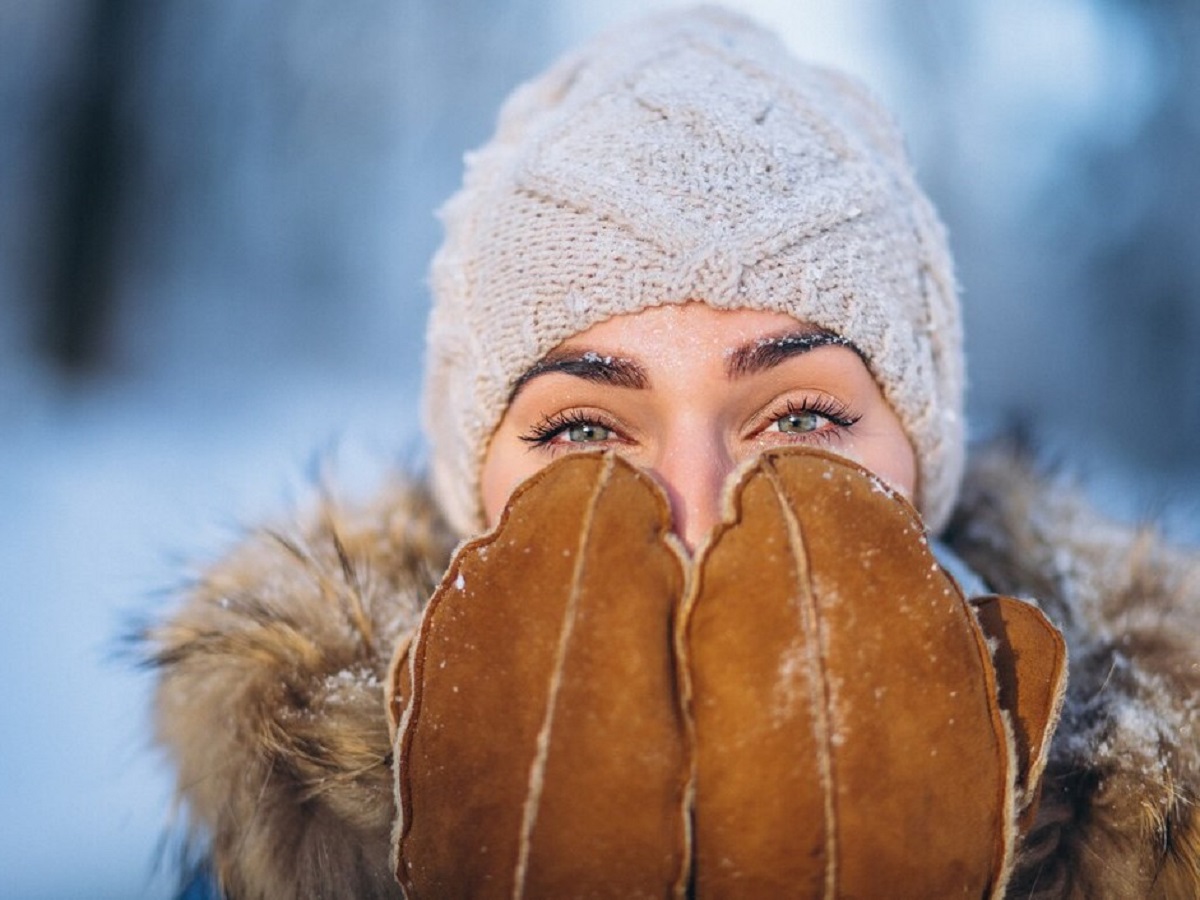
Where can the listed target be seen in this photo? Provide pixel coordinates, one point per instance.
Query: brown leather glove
(543, 751)
(850, 724)
(810, 709)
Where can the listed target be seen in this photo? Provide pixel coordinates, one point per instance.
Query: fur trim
(270, 691)
(1118, 814)
(270, 698)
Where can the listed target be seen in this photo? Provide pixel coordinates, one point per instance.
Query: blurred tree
(66, 67)
(1138, 247)
(1060, 140)
(226, 186)
(80, 290)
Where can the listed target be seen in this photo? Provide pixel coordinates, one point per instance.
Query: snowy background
(214, 223)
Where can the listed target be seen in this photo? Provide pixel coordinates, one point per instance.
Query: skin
(689, 392)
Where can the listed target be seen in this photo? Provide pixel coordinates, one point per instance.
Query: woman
(687, 248)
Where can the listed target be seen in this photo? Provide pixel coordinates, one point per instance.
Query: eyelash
(827, 407)
(545, 431)
(835, 411)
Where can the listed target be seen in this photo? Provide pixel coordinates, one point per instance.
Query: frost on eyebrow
(588, 365)
(771, 350)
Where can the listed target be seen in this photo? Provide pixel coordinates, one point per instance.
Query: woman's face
(688, 392)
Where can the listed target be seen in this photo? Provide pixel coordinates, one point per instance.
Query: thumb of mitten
(1029, 657)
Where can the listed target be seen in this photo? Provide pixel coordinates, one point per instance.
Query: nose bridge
(692, 466)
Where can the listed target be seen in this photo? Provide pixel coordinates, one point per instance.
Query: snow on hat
(689, 157)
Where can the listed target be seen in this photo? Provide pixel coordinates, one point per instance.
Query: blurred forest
(1068, 176)
(196, 186)
(215, 220)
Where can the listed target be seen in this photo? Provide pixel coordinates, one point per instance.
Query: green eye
(586, 432)
(572, 427)
(799, 422)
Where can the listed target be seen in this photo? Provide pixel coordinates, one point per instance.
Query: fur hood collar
(1119, 814)
(270, 697)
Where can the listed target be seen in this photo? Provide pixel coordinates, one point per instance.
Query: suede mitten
(809, 709)
(541, 747)
(853, 736)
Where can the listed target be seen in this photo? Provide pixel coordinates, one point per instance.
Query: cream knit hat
(689, 157)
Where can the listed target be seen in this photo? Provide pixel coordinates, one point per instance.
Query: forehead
(690, 326)
(684, 345)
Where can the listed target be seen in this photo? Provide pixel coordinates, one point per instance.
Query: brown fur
(270, 698)
(270, 692)
(1118, 814)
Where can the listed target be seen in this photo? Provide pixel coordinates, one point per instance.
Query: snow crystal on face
(813, 341)
(460, 582)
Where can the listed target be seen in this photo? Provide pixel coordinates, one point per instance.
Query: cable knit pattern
(689, 157)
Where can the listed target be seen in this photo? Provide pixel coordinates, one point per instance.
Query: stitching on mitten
(818, 677)
(537, 771)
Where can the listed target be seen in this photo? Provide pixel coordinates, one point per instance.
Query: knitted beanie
(689, 157)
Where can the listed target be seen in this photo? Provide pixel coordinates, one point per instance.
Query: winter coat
(270, 698)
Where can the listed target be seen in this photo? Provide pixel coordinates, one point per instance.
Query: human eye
(575, 427)
(811, 417)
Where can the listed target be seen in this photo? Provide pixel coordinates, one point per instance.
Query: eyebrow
(768, 352)
(749, 359)
(590, 366)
